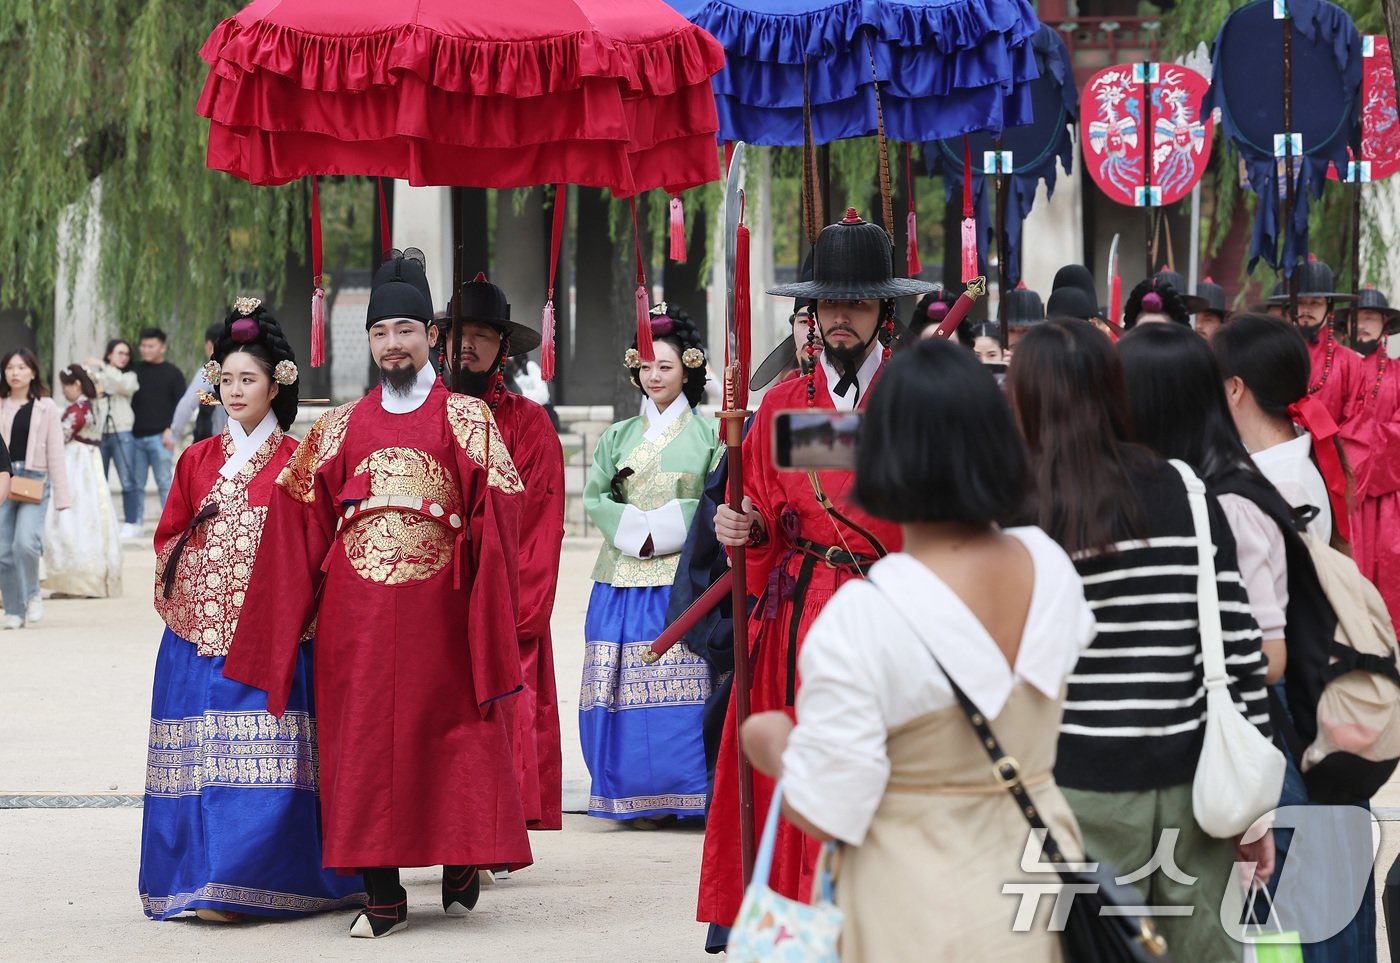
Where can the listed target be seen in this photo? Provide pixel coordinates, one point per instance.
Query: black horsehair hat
(1023, 307)
(1211, 297)
(486, 303)
(400, 289)
(1315, 280)
(1372, 298)
(1178, 284)
(853, 260)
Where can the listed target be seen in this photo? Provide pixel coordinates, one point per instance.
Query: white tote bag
(1239, 775)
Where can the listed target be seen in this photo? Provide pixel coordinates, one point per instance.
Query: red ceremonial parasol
(600, 93)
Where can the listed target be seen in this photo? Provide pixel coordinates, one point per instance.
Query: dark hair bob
(1268, 354)
(939, 443)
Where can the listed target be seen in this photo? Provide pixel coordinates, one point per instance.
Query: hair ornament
(658, 309)
(244, 331)
(632, 359)
(246, 306)
(1151, 301)
(662, 325)
(693, 358)
(207, 398)
(285, 372)
(213, 371)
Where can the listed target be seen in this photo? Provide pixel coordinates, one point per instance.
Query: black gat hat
(486, 303)
(853, 260)
(400, 289)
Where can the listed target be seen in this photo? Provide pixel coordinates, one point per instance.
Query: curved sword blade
(733, 205)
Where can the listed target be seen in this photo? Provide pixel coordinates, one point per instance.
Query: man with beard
(1372, 442)
(805, 535)
(1336, 370)
(392, 529)
(488, 338)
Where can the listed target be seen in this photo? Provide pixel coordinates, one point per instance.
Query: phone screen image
(806, 440)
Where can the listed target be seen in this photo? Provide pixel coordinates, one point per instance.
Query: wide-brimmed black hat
(486, 303)
(1178, 284)
(853, 261)
(1071, 302)
(1023, 307)
(1211, 297)
(400, 289)
(1262, 307)
(1315, 280)
(1371, 298)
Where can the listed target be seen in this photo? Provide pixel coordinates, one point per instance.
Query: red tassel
(677, 230)
(911, 228)
(318, 328)
(644, 345)
(547, 341)
(742, 313)
(969, 249)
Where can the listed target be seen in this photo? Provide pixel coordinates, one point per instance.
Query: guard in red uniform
(487, 340)
(800, 553)
(1337, 379)
(393, 527)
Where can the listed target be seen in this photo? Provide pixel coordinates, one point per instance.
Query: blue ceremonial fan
(1033, 147)
(1248, 87)
(945, 67)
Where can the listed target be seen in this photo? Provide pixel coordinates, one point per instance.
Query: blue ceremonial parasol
(1258, 51)
(945, 67)
(1033, 148)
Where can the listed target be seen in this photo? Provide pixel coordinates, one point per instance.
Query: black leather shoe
(461, 888)
(376, 921)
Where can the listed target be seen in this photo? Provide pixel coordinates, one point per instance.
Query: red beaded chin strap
(1384, 358)
(1326, 361)
(812, 356)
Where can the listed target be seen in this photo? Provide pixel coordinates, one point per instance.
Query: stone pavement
(74, 708)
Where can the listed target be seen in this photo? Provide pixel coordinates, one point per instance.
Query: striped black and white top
(1135, 710)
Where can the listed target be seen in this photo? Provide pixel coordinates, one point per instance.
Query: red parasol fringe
(915, 267)
(644, 343)
(678, 252)
(547, 340)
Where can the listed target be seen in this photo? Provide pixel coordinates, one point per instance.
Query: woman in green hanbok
(641, 724)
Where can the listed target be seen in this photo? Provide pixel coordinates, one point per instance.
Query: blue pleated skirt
(641, 725)
(232, 819)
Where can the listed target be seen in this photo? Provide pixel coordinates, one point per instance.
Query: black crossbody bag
(1106, 923)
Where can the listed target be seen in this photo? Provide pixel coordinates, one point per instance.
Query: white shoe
(130, 531)
(12, 622)
(34, 611)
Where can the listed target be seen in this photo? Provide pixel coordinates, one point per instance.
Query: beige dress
(883, 759)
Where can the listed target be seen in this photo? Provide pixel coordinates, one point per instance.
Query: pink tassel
(969, 249)
(911, 228)
(318, 328)
(644, 345)
(547, 341)
(677, 230)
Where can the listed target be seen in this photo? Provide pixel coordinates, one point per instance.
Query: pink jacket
(44, 452)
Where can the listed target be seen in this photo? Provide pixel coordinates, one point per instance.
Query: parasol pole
(999, 218)
(453, 347)
(1355, 248)
(732, 418)
(1147, 164)
(1286, 222)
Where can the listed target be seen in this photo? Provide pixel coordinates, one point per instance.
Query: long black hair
(676, 329)
(1269, 355)
(269, 346)
(1071, 401)
(936, 398)
(37, 388)
(1177, 399)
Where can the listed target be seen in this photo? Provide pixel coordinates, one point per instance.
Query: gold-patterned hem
(234, 749)
(632, 805)
(248, 898)
(616, 678)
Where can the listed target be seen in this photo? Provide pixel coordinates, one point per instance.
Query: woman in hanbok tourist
(231, 823)
(640, 724)
(82, 546)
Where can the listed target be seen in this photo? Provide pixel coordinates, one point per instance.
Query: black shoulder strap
(1004, 766)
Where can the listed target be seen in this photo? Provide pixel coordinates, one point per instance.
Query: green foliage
(106, 91)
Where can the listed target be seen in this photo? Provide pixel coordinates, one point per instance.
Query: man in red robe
(1337, 379)
(799, 553)
(1372, 443)
(393, 528)
(487, 338)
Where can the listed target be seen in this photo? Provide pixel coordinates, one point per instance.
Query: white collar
(397, 404)
(1295, 448)
(864, 376)
(657, 420)
(965, 650)
(246, 445)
